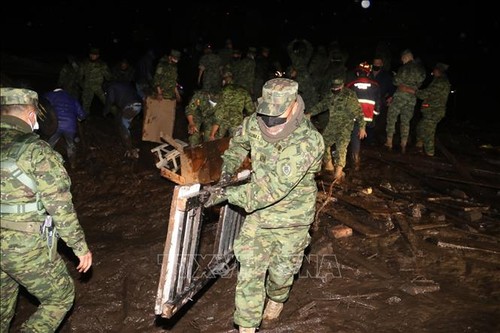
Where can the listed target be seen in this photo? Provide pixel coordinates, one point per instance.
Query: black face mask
(272, 121)
(376, 68)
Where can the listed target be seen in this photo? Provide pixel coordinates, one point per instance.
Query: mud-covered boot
(388, 143)
(246, 330)
(272, 310)
(338, 175)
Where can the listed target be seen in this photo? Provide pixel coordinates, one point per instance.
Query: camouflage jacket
(245, 76)
(94, 73)
(199, 106)
(411, 74)
(165, 77)
(344, 109)
(234, 101)
(282, 190)
(212, 76)
(43, 164)
(435, 96)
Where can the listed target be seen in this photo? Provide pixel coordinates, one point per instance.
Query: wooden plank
(349, 220)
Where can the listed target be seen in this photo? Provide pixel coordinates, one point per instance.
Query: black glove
(215, 196)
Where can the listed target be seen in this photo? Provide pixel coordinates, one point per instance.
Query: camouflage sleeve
(239, 147)
(54, 184)
(320, 107)
(356, 110)
(274, 181)
(194, 103)
(249, 105)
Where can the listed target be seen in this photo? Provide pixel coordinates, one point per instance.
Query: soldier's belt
(29, 227)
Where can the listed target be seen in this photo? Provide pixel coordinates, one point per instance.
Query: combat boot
(246, 330)
(272, 310)
(388, 143)
(338, 175)
(328, 166)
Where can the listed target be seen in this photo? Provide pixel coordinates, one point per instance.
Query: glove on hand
(216, 196)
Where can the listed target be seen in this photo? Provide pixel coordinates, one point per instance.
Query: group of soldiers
(322, 77)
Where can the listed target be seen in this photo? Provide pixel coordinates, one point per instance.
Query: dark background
(459, 33)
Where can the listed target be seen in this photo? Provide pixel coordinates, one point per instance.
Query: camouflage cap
(252, 49)
(277, 95)
(175, 53)
(94, 50)
(12, 96)
(441, 67)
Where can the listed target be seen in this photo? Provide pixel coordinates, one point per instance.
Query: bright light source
(365, 4)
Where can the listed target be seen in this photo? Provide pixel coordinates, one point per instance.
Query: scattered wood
(468, 182)
(341, 231)
(374, 268)
(460, 244)
(420, 287)
(351, 221)
(420, 227)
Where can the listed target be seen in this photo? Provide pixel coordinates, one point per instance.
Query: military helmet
(277, 95)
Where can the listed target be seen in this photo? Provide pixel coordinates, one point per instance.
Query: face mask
(376, 68)
(272, 121)
(35, 126)
(336, 91)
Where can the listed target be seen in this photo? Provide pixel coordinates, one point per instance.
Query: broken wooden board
(346, 218)
(159, 117)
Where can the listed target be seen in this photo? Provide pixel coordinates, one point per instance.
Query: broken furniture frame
(182, 275)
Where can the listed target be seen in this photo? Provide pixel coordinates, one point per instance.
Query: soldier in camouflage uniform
(165, 77)
(200, 116)
(235, 103)
(434, 97)
(280, 200)
(300, 52)
(68, 78)
(408, 78)
(34, 187)
(210, 70)
(93, 73)
(246, 71)
(344, 109)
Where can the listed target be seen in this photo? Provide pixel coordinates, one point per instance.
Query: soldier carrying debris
(286, 152)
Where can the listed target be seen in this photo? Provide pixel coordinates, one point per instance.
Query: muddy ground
(424, 255)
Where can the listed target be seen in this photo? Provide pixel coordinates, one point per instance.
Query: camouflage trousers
(402, 106)
(25, 261)
(88, 96)
(426, 132)
(203, 134)
(341, 144)
(269, 260)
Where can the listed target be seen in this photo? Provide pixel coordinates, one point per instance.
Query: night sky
(460, 33)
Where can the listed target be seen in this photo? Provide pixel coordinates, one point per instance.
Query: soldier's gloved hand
(216, 196)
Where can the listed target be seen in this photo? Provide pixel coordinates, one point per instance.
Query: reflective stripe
(366, 101)
(17, 209)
